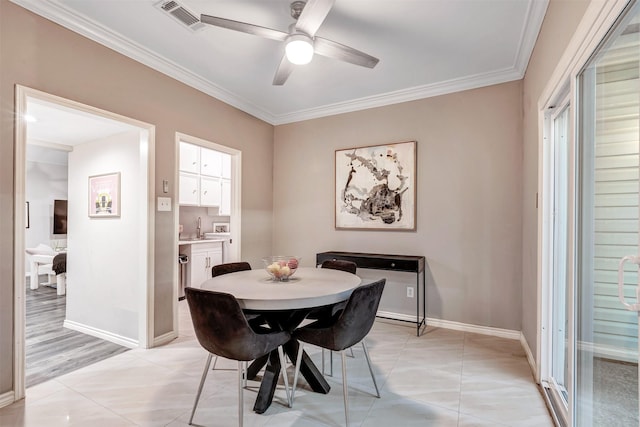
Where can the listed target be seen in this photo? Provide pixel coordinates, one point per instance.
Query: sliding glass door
(606, 355)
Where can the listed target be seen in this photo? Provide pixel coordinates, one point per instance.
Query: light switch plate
(164, 204)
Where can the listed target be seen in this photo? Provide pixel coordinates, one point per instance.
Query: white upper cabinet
(211, 162)
(189, 158)
(205, 178)
(189, 193)
(209, 191)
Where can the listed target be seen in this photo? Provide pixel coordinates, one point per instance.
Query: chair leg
(297, 372)
(214, 363)
(330, 362)
(244, 374)
(285, 378)
(345, 387)
(204, 376)
(240, 393)
(366, 355)
(351, 352)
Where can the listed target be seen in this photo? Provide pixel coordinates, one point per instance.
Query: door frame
(593, 28)
(547, 212)
(146, 314)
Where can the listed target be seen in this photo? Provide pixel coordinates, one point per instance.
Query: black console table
(407, 263)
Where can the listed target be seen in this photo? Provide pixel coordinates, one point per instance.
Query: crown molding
(533, 21)
(60, 14)
(403, 95)
(78, 23)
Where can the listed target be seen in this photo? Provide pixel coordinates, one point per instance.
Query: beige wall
(560, 23)
(469, 196)
(39, 54)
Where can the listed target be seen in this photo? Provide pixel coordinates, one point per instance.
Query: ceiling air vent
(182, 15)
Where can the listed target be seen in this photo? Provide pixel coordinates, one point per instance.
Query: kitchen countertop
(196, 241)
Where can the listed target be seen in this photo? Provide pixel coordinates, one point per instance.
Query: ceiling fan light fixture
(299, 49)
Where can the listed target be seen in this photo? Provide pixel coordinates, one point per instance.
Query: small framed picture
(104, 195)
(220, 227)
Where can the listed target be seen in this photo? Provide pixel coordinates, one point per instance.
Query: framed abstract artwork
(375, 187)
(104, 195)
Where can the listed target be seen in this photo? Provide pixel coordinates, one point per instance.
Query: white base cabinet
(203, 257)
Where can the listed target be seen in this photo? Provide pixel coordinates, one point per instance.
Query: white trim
(403, 95)
(7, 399)
(19, 305)
(68, 18)
(530, 358)
(165, 338)
(475, 329)
(530, 31)
(99, 333)
(396, 316)
(146, 320)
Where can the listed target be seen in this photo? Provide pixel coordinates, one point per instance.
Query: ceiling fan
(301, 40)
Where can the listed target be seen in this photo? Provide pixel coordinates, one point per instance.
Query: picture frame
(221, 227)
(104, 195)
(375, 187)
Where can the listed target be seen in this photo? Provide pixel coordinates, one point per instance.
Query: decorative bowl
(281, 267)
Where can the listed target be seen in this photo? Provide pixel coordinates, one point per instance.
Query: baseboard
(532, 360)
(7, 399)
(396, 316)
(483, 330)
(99, 333)
(164, 338)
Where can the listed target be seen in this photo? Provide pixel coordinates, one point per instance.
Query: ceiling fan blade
(243, 27)
(284, 70)
(339, 51)
(313, 15)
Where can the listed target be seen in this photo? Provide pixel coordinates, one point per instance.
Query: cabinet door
(209, 191)
(225, 197)
(199, 267)
(215, 258)
(210, 162)
(189, 192)
(226, 166)
(189, 158)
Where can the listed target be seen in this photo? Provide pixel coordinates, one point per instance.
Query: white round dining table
(307, 288)
(284, 305)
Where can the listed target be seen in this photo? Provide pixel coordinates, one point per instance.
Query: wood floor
(52, 350)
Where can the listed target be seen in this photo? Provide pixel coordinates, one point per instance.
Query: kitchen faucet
(199, 228)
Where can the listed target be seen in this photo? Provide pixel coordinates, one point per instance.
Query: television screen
(59, 217)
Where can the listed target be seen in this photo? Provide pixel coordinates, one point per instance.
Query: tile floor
(443, 378)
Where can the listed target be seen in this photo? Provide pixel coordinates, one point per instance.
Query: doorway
(591, 236)
(126, 146)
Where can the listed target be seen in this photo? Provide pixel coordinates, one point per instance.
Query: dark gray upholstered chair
(230, 267)
(223, 330)
(347, 328)
(338, 264)
(255, 320)
(324, 312)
